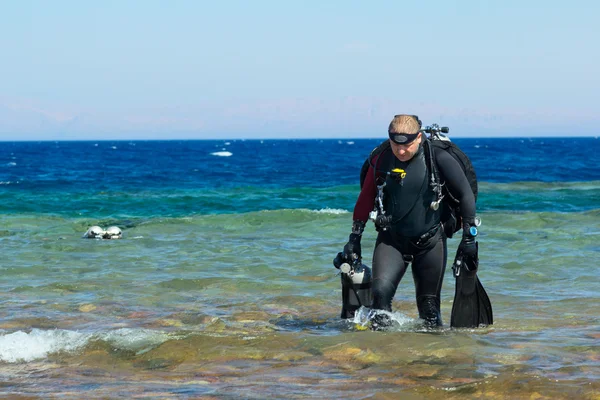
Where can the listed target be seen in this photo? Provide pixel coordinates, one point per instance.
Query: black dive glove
(468, 245)
(352, 250)
(338, 260)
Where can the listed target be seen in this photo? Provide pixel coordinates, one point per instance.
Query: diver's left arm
(454, 177)
(455, 180)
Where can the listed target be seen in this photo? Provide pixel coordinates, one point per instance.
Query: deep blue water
(198, 177)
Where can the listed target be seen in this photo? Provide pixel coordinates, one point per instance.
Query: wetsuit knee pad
(429, 310)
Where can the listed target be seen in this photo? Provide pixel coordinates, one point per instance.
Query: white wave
(350, 142)
(335, 211)
(24, 347)
(227, 143)
(11, 164)
(222, 153)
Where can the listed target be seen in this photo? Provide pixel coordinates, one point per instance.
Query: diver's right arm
(366, 198)
(362, 208)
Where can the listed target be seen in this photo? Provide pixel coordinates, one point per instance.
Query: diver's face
(404, 152)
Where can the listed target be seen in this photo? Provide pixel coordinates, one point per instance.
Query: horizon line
(279, 139)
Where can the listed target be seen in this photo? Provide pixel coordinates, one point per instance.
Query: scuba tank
(356, 288)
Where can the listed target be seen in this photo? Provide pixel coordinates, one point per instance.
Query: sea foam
(334, 211)
(38, 344)
(22, 346)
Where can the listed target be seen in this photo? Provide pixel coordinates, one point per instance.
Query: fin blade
(471, 307)
(486, 315)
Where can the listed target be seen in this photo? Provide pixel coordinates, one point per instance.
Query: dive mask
(403, 138)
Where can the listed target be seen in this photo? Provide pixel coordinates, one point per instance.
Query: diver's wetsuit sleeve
(366, 198)
(454, 177)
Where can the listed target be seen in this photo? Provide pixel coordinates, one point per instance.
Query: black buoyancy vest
(451, 213)
(407, 199)
(450, 206)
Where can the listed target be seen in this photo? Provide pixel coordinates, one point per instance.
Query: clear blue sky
(286, 68)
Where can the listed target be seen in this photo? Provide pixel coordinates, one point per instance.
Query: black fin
(472, 306)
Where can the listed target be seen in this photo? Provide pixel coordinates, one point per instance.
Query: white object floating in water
(94, 232)
(112, 232)
(350, 142)
(222, 153)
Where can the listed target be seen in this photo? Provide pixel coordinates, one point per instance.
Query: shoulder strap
(377, 173)
(434, 180)
(369, 162)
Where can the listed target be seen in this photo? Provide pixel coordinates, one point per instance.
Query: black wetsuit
(414, 235)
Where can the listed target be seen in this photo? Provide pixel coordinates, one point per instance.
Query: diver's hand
(468, 246)
(352, 250)
(338, 260)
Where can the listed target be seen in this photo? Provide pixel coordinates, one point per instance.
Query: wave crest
(38, 344)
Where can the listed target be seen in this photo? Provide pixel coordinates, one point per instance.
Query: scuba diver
(411, 230)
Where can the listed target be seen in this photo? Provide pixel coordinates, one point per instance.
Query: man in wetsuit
(413, 232)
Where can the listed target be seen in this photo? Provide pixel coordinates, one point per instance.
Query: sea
(222, 285)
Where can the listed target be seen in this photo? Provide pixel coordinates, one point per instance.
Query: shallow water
(246, 306)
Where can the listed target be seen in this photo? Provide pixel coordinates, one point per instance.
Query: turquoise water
(248, 305)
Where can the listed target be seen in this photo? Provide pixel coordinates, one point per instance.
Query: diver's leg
(388, 269)
(428, 272)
